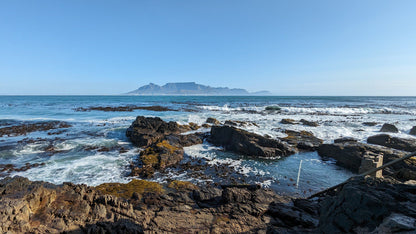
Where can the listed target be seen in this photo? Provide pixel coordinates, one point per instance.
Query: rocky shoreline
(362, 205)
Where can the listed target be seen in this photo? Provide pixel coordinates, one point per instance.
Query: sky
(297, 47)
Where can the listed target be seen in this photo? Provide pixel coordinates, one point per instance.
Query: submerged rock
(309, 123)
(370, 124)
(389, 128)
(243, 142)
(288, 121)
(25, 128)
(302, 140)
(393, 142)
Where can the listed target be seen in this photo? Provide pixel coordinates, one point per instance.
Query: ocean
(76, 158)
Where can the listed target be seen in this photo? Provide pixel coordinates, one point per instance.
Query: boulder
(309, 123)
(389, 128)
(214, 121)
(370, 124)
(186, 140)
(145, 131)
(345, 140)
(302, 140)
(369, 205)
(393, 142)
(350, 154)
(243, 142)
(157, 157)
(413, 131)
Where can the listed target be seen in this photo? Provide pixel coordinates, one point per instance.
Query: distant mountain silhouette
(189, 88)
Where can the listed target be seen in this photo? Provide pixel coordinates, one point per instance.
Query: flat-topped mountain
(189, 88)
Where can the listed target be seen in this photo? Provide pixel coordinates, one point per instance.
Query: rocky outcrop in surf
(246, 143)
(350, 154)
(393, 142)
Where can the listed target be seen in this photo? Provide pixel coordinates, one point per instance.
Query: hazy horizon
(290, 48)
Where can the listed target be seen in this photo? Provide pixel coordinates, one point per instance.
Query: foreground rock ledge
(363, 205)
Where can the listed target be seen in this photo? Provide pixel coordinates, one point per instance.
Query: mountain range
(190, 88)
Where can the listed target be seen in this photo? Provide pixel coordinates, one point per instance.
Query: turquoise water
(337, 116)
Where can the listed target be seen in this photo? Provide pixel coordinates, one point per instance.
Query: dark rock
(345, 140)
(140, 206)
(238, 123)
(273, 108)
(145, 131)
(302, 140)
(413, 131)
(25, 128)
(288, 121)
(362, 204)
(186, 140)
(309, 123)
(349, 155)
(243, 142)
(393, 142)
(370, 124)
(389, 128)
(213, 121)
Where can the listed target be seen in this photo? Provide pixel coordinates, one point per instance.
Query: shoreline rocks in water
(413, 131)
(302, 140)
(162, 141)
(251, 144)
(350, 154)
(389, 128)
(25, 128)
(393, 142)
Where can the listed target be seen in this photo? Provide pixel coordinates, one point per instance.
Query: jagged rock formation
(362, 205)
(349, 155)
(302, 140)
(162, 142)
(142, 206)
(243, 142)
(369, 205)
(393, 142)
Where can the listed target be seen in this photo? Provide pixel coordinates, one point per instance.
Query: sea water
(337, 117)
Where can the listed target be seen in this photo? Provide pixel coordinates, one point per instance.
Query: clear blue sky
(351, 47)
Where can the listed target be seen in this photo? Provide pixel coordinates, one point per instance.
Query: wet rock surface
(393, 142)
(367, 205)
(413, 131)
(163, 144)
(142, 206)
(302, 140)
(145, 131)
(25, 128)
(362, 205)
(389, 128)
(243, 142)
(350, 154)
